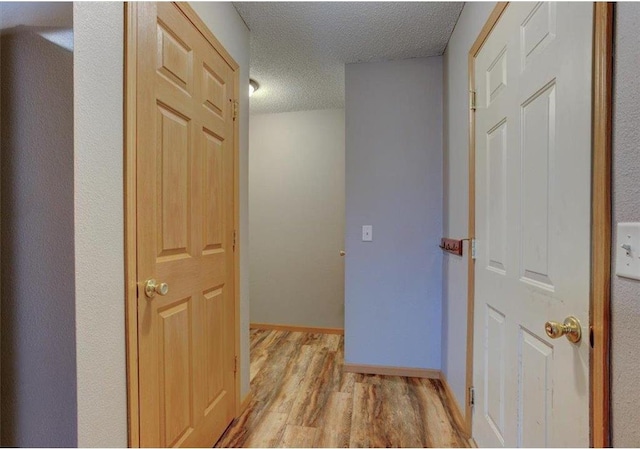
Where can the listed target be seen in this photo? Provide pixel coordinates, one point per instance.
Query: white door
(533, 209)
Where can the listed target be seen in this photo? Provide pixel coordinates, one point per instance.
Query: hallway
(302, 398)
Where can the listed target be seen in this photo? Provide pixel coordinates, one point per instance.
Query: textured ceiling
(298, 49)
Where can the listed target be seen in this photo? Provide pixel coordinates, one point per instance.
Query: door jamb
(599, 389)
(130, 139)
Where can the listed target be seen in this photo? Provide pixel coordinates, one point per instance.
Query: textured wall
(296, 199)
(456, 192)
(393, 285)
(625, 357)
(38, 334)
(225, 23)
(99, 223)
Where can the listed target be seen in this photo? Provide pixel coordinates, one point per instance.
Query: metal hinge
(235, 109)
(473, 249)
(472, 396)
(234, 239)
(472, 100)
(235, 364)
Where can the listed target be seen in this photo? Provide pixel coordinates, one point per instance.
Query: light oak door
(533, 224)
(185, 235)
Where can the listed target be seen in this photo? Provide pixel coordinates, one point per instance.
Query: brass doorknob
(151, 287)
(342, 253)
(570, 328)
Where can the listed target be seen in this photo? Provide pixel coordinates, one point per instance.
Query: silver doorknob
(151, 287)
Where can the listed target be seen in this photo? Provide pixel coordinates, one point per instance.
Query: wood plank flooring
(302, 398)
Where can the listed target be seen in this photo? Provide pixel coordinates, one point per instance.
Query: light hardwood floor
(302, 398)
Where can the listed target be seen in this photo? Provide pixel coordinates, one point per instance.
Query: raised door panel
(214, 90)
(173, 160)
(494, 373)
(538, 136)
(537, 31)
(496, 198)
(174, 58)
(177, 372)
(535, 390)
(213, 223)
(214, 315)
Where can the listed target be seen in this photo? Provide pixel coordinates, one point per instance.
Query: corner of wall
(456, 191)
(99, 223)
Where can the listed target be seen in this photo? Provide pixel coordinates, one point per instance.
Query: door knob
(570, 328)
(342, 253)
(151, 287)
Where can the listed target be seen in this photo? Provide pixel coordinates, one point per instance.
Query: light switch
(628, 250)
(367, 233)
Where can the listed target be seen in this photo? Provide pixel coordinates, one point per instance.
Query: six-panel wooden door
(185, 231)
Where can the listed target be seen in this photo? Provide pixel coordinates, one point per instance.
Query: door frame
(600, 290)
(130, 139)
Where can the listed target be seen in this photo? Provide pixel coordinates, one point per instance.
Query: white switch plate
(628, 261)
(367, 233)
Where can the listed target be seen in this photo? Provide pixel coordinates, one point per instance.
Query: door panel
(497, 197)
(176, 341)
(534, 390)
(494, 371)
(538, 148)
(533, 224)
(174, 201)
(185, 203)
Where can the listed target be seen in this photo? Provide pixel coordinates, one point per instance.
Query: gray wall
(456, 192)
(296, 197)
(625, 356)
(38, 333)
(393, 285)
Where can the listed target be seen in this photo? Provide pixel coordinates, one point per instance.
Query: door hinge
(236, 106)
(472, 396)
(235, 365)
(473, 249)
(235, 234)
(472, 100)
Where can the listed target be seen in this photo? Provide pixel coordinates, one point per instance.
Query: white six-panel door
(533, 208)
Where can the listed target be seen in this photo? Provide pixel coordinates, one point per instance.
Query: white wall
(393, 285)
(99, 223)
(98, 108)
(38, 336)
(456, 192)
(625, 301)
(296, 197)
